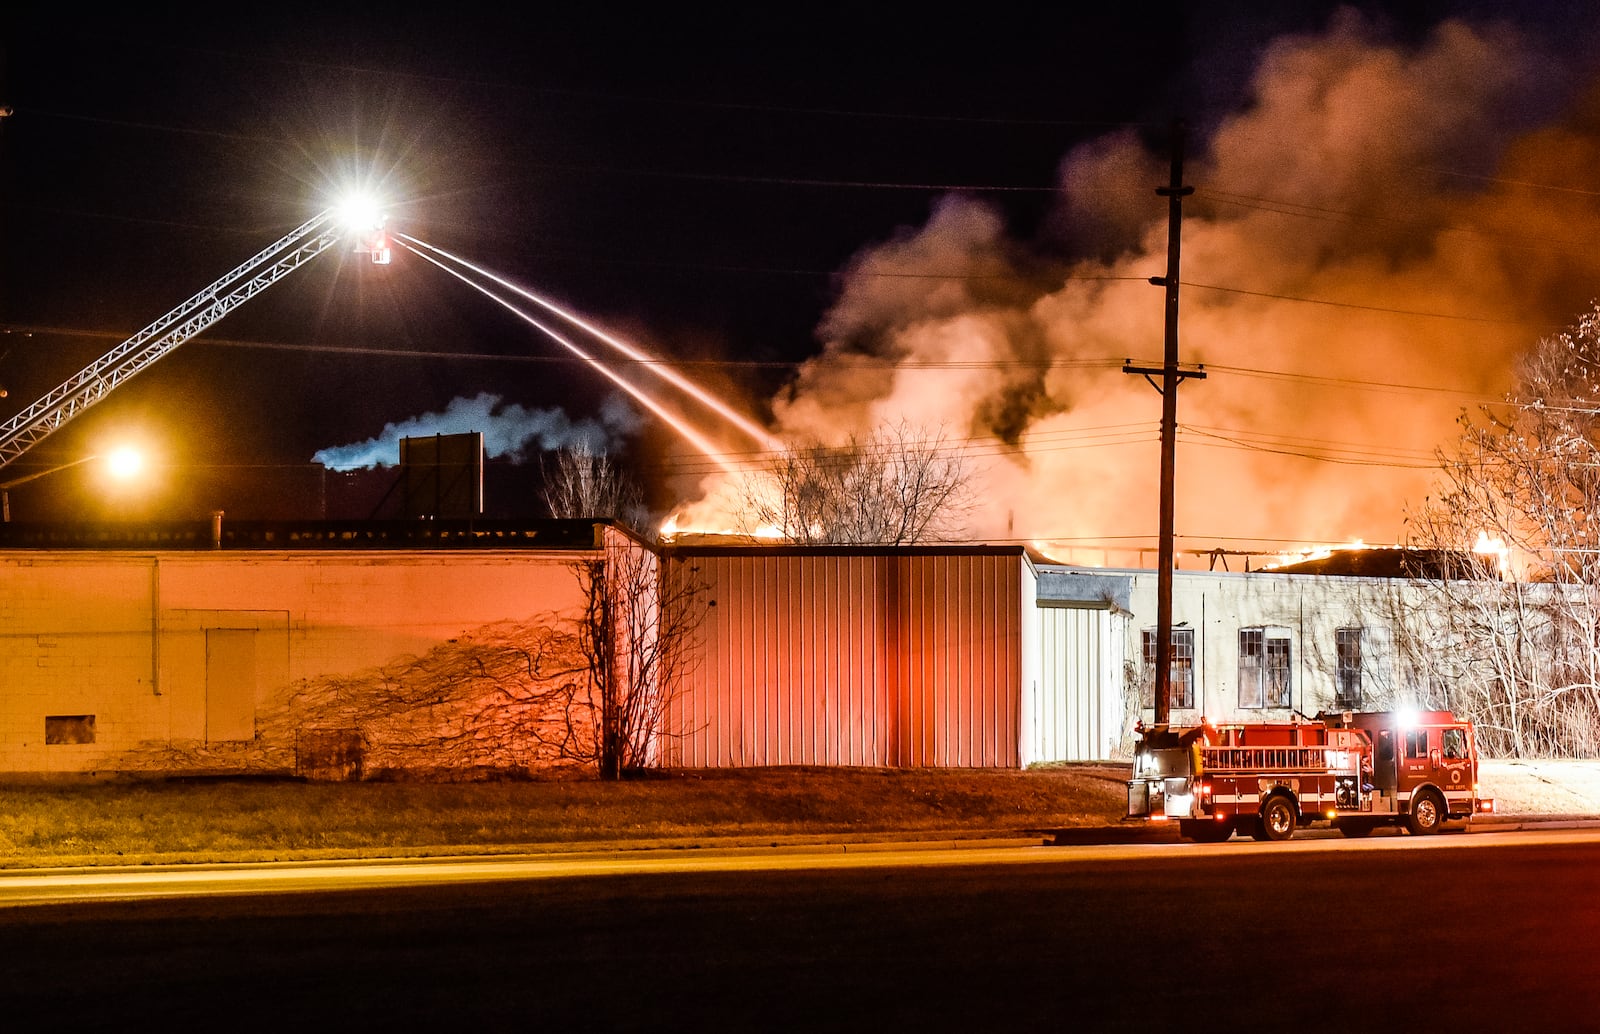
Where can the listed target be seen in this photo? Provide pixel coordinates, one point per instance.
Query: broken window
(1347, 669)
(1264, 668)
(1180, 670)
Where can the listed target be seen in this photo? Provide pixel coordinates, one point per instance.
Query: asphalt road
(1465, 933)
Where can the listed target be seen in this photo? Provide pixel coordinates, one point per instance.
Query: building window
(1347, 673)
(68, 728)
(1264, 668)
(1181, 670)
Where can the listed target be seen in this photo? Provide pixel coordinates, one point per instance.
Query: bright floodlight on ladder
(363, 216)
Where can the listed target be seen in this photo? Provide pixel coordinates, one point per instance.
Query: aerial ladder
(83, 389)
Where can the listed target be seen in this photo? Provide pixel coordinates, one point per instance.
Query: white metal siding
(1069, 720)
(855, 659)
(1031, 676)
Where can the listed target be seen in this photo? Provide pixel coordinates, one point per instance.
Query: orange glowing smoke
(1363, 257)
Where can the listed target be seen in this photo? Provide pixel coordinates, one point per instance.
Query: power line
(1361, 456)
(863, 361)
(1297, 209)
(1365, 308)
(977, 447)
(1353, 383)
(1515, 183)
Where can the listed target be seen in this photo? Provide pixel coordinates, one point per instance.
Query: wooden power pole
(1171, 376)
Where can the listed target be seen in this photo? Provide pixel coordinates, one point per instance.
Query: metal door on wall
(230, 684)
(1068, 724)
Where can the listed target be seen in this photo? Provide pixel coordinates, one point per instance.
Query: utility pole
(1171, 376)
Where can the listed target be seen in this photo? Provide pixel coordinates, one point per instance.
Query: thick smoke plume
(508, 431)
(1377, 230)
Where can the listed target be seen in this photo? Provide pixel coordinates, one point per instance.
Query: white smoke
(508, 431)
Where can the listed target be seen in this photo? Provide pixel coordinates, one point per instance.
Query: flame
(1046, 550)
(690, 522)
(1490, 546)
(1323, 552)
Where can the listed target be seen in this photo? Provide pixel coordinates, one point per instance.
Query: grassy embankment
(174, 821)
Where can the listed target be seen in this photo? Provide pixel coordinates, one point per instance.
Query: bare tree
(580, 482)
(1516, 643)
(638, 637)
(897, 486)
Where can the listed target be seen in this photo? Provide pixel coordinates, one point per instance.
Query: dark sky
(690, 178)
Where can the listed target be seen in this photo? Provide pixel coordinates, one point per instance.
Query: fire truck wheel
(1427, 814)
(1278, 818)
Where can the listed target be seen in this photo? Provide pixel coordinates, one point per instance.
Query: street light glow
(124, 462)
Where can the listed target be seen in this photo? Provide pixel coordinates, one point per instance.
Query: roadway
(1480, 932)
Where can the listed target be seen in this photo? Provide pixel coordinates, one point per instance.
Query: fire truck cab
(1353, 770)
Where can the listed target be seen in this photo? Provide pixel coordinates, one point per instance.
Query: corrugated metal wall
(1069, 720)
(839, 658)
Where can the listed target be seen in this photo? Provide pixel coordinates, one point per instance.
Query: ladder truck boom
(28, 427)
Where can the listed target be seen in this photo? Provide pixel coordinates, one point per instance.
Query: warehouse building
(320, 649)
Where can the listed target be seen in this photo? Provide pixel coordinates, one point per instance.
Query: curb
(1513, 823)
(1167, 832)
(735, 845)
(1133, 832)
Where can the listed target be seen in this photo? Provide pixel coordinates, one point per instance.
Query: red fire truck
(1355, 770)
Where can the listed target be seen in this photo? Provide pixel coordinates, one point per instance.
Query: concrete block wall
(141, 641)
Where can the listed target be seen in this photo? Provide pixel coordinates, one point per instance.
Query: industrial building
(320, 648)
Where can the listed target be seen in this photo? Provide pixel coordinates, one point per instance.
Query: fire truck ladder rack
(1321, 759)
(28, 427)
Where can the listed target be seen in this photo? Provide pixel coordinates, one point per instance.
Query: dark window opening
(68, 728)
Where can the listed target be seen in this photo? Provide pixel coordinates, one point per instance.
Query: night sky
(706, 184)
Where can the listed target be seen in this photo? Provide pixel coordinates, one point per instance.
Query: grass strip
(192, 820)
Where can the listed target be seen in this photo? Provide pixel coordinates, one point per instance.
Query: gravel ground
(1542, 787)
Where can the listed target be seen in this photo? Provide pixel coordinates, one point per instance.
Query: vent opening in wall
(68, 728)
